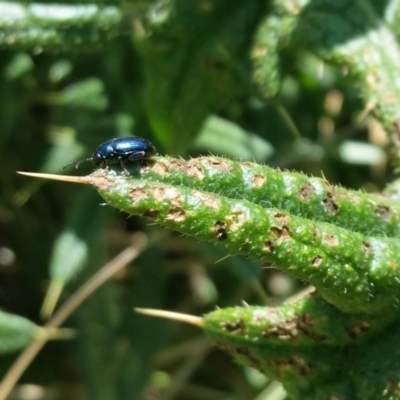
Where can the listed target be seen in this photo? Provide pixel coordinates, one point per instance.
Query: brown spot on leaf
(282, 218)
(317, 261)
(331, 240)
(285, 331)
(193, 168)
(151, 213)
(259, 180)
(306, 192)
(291, 328)
(317, 232)
(238, 327)
(236, 219)
(253, 360)
(302, 365)
(281, 364)
(268, 246)
(220, 165)
(220, 230)
(295, 361)
(366, 249)
(226, 347)
(162, 193)
(359, 328)
(281, 234)
(307, 320)
(137, 194)
(241, 351)
(275, 231)
(305, 324)
(176, 164)
(160, 168)
(208, 199)
(384, 212)
(176, 214)
(329, 204)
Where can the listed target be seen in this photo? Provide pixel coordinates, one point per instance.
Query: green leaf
(224, 137)
(56, 27)
(15, 332)
(85, 94)
(19, 65)
(307, 197)
(354, 271)
(195, 60)
(299, 345)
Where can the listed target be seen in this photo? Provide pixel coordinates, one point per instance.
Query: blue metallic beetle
(126, 149)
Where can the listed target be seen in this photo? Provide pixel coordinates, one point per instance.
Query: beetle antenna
(78, 163)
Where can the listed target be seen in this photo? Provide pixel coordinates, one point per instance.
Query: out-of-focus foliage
(235, 78)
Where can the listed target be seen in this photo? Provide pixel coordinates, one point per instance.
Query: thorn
(175, 316)
(223, 258)
(66, 178)
(309, 291)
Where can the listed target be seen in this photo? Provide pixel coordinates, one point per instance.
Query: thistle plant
(324, 345)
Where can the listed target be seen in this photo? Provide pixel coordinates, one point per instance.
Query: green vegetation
(277, 91)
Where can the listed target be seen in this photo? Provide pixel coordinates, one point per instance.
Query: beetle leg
(124, 170)
(137, 155)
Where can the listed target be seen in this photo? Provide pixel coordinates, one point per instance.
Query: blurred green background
(58, 106)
